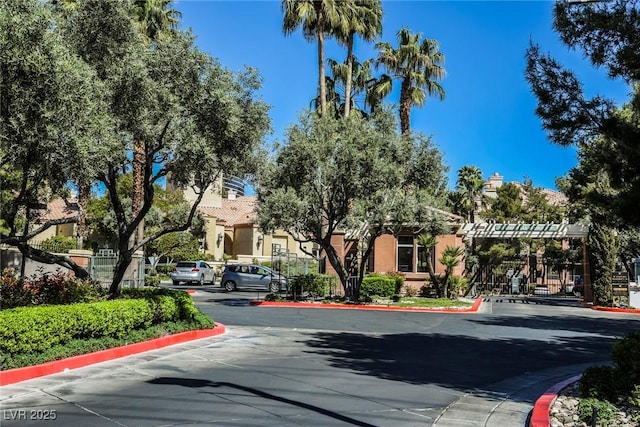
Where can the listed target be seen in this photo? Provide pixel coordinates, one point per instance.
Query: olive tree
(112, 89)
(196, 118)
(52, 111)
(357, 175)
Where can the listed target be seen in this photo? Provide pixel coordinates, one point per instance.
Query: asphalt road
(315, 367)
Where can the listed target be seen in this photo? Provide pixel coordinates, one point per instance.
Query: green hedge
(314, 285)
(34, 329)
(378, 285)
(186, 307)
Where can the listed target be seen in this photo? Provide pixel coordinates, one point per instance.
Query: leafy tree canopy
(350, 174)
(51, 113)
(83, 87)
(605, 186)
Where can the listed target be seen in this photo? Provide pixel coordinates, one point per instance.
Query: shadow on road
(460, 362)
(200, 383)
(599, 324)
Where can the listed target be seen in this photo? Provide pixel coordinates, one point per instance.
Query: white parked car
(193, 272)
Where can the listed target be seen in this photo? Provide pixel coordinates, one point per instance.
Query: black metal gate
(533, 276)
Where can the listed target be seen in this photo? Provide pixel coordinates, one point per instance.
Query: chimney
(231, 194)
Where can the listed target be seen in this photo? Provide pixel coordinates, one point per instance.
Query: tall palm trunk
(321, 70)
(405, 106)
(347, 86)
(84, 192)
(138, 188)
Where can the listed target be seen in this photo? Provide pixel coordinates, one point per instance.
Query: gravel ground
(564, 411)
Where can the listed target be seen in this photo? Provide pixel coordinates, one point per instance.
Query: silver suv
(250, 276)
(193, 271)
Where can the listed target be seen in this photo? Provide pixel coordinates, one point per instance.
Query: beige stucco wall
(212, 196)
(214, 229)
(243, 240)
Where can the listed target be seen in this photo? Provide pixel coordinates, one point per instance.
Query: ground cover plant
(608, 389)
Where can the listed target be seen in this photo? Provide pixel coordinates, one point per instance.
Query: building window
(405, 254)
(410, 253)
(422, 262)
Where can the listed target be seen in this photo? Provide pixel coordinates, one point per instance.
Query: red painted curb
(472, 309)
(540, 414)
(12, 376)
(616, 309)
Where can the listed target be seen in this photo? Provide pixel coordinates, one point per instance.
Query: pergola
(534, 231)
(480, 230)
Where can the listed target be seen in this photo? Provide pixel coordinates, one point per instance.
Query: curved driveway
(311, 367)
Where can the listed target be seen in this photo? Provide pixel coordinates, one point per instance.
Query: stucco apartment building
(231, 230)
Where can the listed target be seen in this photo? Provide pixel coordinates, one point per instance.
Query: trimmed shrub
(625, 355)
(150, 280)
(398, 277)
(186, 307)
(58, 244)
(599, 382)
(57, 288)
(34, 329)
(313, 285)
(77, 347)
(378, 285)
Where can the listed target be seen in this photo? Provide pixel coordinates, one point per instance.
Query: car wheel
(274, 287)
(201, 281)
(577, 294)
(213, 280)
(229, 286)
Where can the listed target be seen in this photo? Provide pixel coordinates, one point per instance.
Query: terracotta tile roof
(555, 198)
(242, 210)
(59, 209)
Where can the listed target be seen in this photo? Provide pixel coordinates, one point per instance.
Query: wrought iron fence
(102, 268)
(535, 276)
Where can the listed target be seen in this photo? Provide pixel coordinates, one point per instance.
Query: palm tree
(363, 18)
(155, 18)
(450, 259)
(418, 65)
(315, 17)
(361, 79)
(469, 185)
(429, 242)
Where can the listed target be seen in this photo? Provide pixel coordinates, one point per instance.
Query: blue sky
(487, 118)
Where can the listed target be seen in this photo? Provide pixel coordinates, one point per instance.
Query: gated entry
(531, 275)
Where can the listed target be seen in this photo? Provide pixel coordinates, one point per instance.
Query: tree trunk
(405, 106)
(347, 85)
(125, 255)
(432, 274)
(321, 73)
(84, 192)
(445, 284)
(48, 258)
(139, 161)
(338, 266)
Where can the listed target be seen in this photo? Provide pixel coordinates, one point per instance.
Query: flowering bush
(46, 289)
(13, 292)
